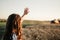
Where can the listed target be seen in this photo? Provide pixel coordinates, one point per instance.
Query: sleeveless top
(14, 36)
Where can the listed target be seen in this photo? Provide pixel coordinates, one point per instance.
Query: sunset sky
(39, 9)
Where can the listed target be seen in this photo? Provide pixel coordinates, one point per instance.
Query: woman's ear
(26, 11)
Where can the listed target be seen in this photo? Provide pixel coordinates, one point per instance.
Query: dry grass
(42, 32)
(38, 31)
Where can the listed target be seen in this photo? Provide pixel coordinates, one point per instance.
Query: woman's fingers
(26, 11)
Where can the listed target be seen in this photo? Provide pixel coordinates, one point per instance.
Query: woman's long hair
(13, 21)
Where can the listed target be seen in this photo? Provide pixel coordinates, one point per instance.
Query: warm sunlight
(39, 9)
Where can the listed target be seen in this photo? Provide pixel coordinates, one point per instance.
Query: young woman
(14, 26)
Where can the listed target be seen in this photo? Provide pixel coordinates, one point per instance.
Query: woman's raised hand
(26, 11)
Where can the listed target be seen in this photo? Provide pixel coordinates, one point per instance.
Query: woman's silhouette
(14, 26)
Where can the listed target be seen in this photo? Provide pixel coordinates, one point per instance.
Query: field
(36, 30)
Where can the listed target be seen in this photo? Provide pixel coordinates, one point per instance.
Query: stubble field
(36, 30)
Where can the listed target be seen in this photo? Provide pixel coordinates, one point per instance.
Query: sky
(38, 9)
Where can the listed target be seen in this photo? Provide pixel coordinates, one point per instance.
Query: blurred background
(42, 21)
(39, 9)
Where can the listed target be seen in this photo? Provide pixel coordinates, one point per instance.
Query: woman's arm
(26, 11)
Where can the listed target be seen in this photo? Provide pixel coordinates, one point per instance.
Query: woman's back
(13, 29)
